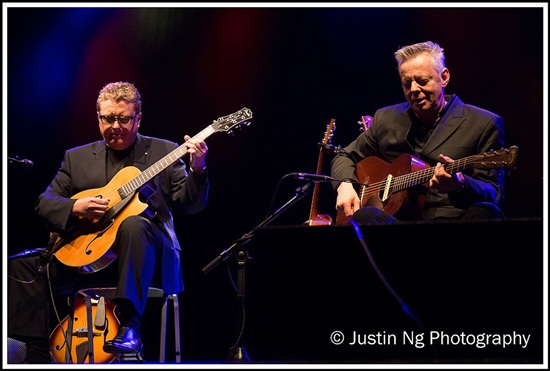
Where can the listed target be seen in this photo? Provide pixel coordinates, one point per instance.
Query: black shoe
(126, 341)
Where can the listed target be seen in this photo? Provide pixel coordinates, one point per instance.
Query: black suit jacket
(464, 130)
(84, 168)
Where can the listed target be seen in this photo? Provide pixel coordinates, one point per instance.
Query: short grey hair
(117, 91)
(435, 51)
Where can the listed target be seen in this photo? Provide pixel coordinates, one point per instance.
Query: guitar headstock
(232, 121)
(329, 133)
(364, 123)
(325, 145)
(497, 159)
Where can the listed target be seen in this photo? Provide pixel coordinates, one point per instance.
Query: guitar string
(414, 178)
(240, 117)
(162, 164)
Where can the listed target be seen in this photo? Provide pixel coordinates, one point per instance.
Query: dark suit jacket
(464, 130)
(84, 168)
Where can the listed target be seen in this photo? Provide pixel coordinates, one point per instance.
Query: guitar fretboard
(423, 176)
(134, 184)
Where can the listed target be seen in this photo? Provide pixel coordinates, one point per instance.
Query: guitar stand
(238, 353)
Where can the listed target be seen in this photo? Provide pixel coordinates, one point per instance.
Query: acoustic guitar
(87, 248)
(314, 217)
(386, 185)
(70, 340)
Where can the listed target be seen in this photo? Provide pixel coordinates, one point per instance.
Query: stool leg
(177, 333)
(163, 329)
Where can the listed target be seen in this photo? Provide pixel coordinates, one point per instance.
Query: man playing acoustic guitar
(430, 131)
(93, 212)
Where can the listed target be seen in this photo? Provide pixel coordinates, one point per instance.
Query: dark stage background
(295, 68)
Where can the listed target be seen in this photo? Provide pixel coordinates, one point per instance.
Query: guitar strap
(90, 328)
(69, 338)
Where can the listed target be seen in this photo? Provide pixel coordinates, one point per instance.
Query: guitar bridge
(83, 333)
(387, 187)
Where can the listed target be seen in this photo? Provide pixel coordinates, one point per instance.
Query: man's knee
(134, 224)
(483, 210)
(137, 234)
(373, 215)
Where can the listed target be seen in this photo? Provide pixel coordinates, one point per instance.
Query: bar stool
(173, 298)
(99, 310)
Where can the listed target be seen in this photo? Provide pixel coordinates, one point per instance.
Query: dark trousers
(478, 211)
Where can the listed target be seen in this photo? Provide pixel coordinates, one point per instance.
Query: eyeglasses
(122, 120)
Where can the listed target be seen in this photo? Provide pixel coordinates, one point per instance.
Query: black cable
(404, 306)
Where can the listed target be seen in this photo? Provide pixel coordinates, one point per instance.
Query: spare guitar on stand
(79, 338)
(314, 217)
(325, 147)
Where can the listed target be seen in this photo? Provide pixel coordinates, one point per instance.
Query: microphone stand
(238, 353)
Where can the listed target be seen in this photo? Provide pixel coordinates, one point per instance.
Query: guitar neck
(423, 176)
(134, 184)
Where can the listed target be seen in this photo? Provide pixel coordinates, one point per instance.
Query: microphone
(22, 161)
(313, 177)
(27, 163)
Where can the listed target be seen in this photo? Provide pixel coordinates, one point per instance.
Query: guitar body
(372, 170)
(74, 348)
(396, 188)
(91, 250)
(320, 219)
